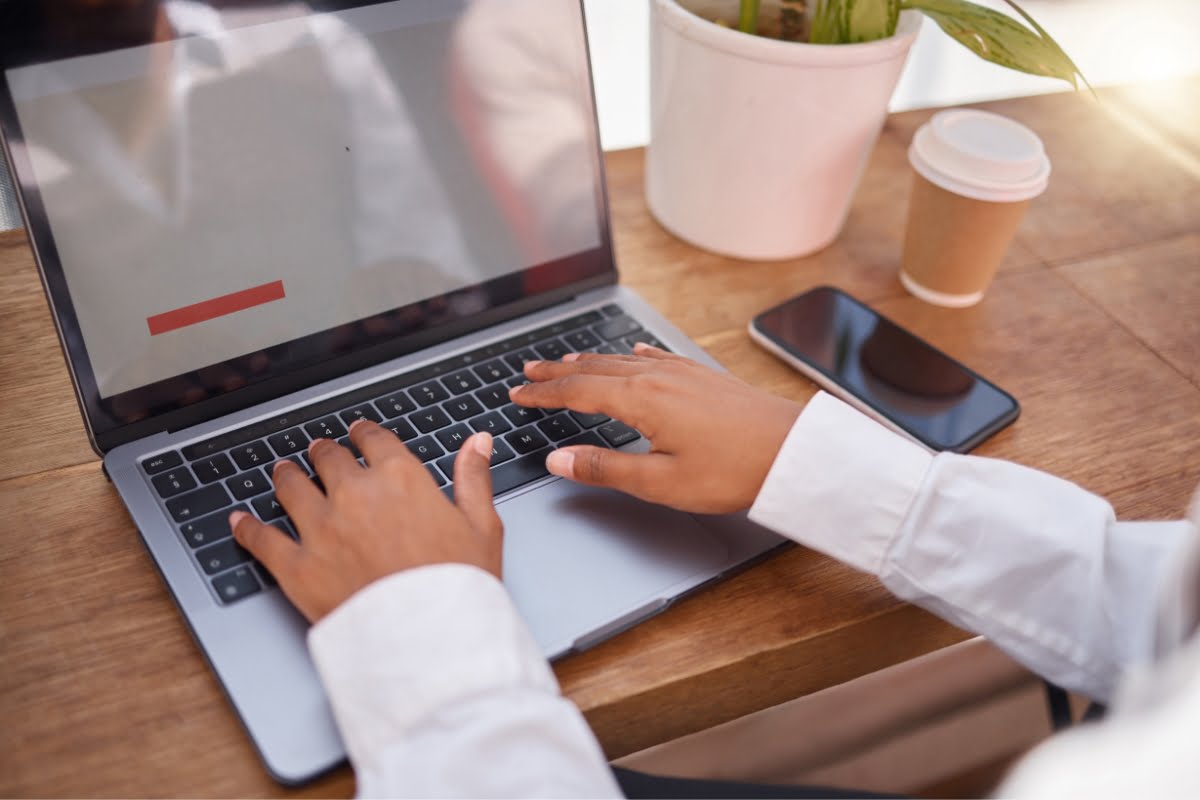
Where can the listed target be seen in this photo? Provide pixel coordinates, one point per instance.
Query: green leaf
(999, 38)
(748, 16)
(827, 28)
(868, 20)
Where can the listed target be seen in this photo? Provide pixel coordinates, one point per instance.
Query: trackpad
(577, 558)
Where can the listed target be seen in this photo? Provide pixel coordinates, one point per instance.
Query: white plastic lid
(980, 155)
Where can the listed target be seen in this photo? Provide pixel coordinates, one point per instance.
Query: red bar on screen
(216, 307)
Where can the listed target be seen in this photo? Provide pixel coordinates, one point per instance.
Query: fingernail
(571, 357)
(358, 421)
(483, 444)
(640, 346)
(515, 390)
(236, 518)
(278, 465)
(561, 462)
(313, 444)
(532, 365)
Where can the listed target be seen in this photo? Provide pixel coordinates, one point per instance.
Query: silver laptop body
(156, 172)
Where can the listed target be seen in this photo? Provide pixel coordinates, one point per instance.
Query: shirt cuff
(841, 484)
(413, 642)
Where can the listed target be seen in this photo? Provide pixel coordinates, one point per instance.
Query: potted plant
(763, 114)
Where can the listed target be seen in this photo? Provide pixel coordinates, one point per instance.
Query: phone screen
(904, 379)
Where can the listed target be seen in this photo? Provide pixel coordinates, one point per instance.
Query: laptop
(259, 221)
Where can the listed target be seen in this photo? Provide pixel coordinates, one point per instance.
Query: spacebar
(512, 474)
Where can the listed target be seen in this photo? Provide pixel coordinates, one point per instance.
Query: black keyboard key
(349, 445)
(552, 350)
(493, 396)
(235, 585)
(588, 420)
(463, 407)
(462, 381)
(453, 438)
(617, 327)
(198, 503)
(430, 419)
(493, 423)
(174, 482)
(429, 393)
(618, 433)
(264, 575)
(214, 468)
(526, 440)
(607, 350)
(518, 472)
(500, 453)
(517, 360)
(162, 461)
(582, 340)
(395, 404)
(558, 427)
(212, 528)
(612, 310)
(587, 437)
(268, 507)
(492, 371)
(221, 556)
(288, 442)
(647, 337)
(249, 456)
(425, 448)
(364, 411)
(294, 459)
(437, 476)
(402, 428)
(248, 484)
(326, 428)
(517, 380)
(520, 415)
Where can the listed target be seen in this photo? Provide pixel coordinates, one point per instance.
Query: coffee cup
(975, 174)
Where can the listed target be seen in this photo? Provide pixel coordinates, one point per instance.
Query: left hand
(373, 521)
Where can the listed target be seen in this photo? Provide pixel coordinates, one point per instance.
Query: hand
(713, 436)
(373, 521)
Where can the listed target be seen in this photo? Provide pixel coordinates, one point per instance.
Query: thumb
(473, 485)
(641, 475)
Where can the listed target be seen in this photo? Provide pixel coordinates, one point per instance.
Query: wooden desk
(1094, 324)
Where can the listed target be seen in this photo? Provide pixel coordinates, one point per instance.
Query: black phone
(884, 371)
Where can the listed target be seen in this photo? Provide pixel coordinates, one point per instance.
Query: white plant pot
(757, 145)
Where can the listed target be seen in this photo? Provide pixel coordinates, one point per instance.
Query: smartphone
(884, 371)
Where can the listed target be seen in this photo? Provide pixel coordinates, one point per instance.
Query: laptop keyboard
(432, 410)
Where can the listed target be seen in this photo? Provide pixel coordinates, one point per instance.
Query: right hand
(713, 437)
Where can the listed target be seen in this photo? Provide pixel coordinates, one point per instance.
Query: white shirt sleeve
(440, 691)
(1036, 564)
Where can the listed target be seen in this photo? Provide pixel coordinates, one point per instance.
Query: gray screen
(236, 186)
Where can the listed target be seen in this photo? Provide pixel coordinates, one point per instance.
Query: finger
(641, 475)
(587, 394)
(299, 496)
(549, 370)
(595, 356)
(274, 548)
(332, 462)
(376, 443)
(644, 350)
(473, 484)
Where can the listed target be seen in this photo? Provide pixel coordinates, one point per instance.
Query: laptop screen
(224, 193)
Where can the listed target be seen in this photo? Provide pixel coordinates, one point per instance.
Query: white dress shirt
(439, 689)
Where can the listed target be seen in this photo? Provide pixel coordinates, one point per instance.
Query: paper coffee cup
(976, 174)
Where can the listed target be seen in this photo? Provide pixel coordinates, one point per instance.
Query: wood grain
(1091, 324)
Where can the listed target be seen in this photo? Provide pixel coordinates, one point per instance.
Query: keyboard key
(558, 427)
(552, 350)
(607, 350)
(430, 419)
(162, 461)
(221, 556)
(588, 420)
(198, 503)
(517, 380)
(587, 437)
(349, 445)
(270, 470)
(582, 340)
(395, 404)
(235, 585)
(493, 396)
(214, 468)
(268, 507)
(172, 483)
(500, 453)
(612, 310)
(493, 423)
(617, 327)
(517, 360)
(364, 411)
(520, 415)
(326, 428)
(647, 337)
(526, 440)
(492, 371)
(248, 484)
(402, 428)
(264, 575)
(288, 442)
(453, 438)
(462, 381)
(252, 455)
(437, 476)
(462, 407)
(618, 433)
(518, 472)
(212, 528)
(429, 393)
(425, 448)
